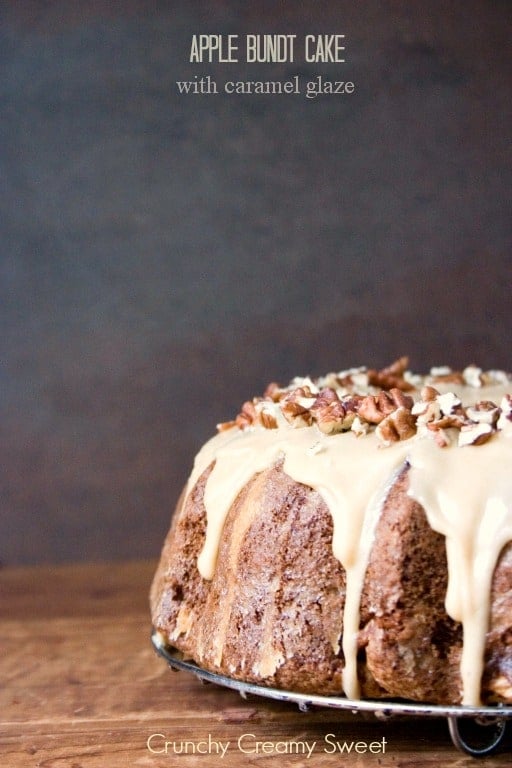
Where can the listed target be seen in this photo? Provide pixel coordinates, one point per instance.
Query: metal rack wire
(477, 731)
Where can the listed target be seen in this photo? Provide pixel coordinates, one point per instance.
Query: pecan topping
(506, 412)
(447, 422)
(484, 412)
(451, 377)
(363, 400)
(295, 407)
(247, 416)
(274, 392)
(449, 403)
(225, 425)
(475, 434)
(399, 425)
(326, 396)
(374, 408)
(472, 376)
(400, 399)
(331, 418)
(360, 427)
(392, 376)
(252, 412)
(428, 394)
(328, 412)
(267, 419)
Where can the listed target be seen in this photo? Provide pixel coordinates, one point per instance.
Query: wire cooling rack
(477, 731)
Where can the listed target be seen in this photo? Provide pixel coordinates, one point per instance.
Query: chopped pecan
(267, 419)
(331, 418)
(295, 409)
(328, 412)
(405, 423)
(355, 377)
(453, 377)
(475, 434)
(225, 425)
(449, 403)
(374, 408)
(304, 396)
(400, 399)
(387, 432)
(472, 376)
(428, 393)
(370, 411)
(426, 413)
(506, 412)
(484, 411)
(326, 396)
(398, 425)
(450, 421)
(392, 376)
(385, 402)
(359, 427)
(247, 416)
(352, 403)
(274, 392)
(345, 380)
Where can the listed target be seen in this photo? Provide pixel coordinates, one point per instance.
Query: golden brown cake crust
(412, 645)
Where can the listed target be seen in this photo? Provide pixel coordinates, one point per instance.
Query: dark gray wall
(163, 257)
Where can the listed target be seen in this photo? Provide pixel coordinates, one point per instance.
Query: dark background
(164, 257)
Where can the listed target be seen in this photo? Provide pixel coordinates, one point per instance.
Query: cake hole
(178, 593)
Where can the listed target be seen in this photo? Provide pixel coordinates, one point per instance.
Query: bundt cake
(352, 535)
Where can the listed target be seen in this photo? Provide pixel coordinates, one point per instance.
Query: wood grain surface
(82, 687)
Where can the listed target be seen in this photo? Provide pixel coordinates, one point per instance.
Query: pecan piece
(295, 407)
(506, 412)
(400, 399)
(392, 376)
(475, 434)
(267, 419)
(472, 376)
(247, 416)
(328, 411)
(452, 421)
(325, 396)
(428, 394)
(331, 418)
(374, 408)
(449, 403)
(399, 425)
(484, 411)
(359, 427)
(225, 425)
(453, 377)
(274, 392)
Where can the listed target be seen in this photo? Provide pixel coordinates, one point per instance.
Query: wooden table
(83, 688)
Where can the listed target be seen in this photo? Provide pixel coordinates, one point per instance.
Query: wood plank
(99, 589)
(83, 688)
